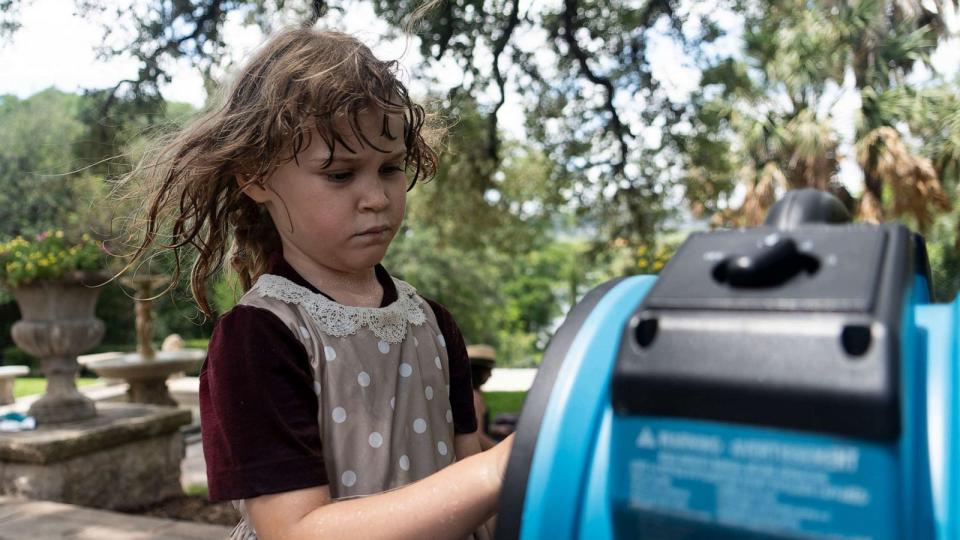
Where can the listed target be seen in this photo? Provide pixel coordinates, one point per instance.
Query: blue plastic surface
(939, 324)
(585, 457)
(574, 412)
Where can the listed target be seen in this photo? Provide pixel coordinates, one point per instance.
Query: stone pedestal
(126, 457)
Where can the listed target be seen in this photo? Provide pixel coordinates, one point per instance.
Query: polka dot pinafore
(382, 381)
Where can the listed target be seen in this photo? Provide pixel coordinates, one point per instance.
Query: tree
(484, 246)
(9, 23)
(607, 141)
(621, 148)
(509, 301)
(763, 118)
(588, 89)
(770, 108)
(42, 185)
(52, 178)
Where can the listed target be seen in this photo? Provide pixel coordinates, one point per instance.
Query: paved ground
(40, 520)
(510, 380)
(193, 470)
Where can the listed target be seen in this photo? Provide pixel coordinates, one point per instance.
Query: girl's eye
(391, 169)
(340, 177)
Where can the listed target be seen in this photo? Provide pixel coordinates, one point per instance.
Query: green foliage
(945, 267)
(942, 244)
(588, 92)
(764, 119)
(47, 256)
(510, 234)
(483, 244)
(51, 178)
(176, 313)
(623, 259)
(510, 301)
(42, 185)
(225, 292)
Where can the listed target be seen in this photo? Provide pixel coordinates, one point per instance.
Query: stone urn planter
(57, 324)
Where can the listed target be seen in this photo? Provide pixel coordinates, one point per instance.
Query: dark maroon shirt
(258, 409)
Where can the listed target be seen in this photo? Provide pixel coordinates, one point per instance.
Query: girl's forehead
(371, 130)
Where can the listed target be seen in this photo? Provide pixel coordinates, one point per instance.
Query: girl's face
(341, 216)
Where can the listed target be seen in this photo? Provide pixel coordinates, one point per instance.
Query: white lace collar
(387, 323)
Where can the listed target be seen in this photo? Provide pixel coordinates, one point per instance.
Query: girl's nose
(374, 196)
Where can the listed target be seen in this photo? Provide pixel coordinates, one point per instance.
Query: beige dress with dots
(382, 381)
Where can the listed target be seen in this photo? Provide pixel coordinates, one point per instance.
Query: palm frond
(912, 179)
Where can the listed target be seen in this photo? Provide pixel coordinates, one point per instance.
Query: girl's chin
(369, 258)
(352, 258)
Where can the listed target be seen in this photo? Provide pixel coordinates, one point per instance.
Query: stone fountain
(146, 371)
(116, 456)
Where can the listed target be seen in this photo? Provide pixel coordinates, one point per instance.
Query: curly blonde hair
(301, 81)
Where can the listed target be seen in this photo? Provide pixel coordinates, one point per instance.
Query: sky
(55, 47)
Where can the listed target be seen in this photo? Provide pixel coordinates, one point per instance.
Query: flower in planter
(49, 255)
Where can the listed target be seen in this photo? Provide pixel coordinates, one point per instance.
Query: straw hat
(482, 354)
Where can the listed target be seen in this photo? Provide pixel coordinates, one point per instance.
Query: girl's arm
(483, 440)
(468, 444)
(450, 503)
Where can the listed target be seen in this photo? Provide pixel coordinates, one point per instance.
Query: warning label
(756, 483)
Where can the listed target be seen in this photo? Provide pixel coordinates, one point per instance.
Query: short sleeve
(258, 409)
(461, 387)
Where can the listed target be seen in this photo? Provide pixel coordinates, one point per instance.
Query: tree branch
(447, 30)
(619, 129)
(318, 8)
(112, 96)
(211, 15)
(513, 19)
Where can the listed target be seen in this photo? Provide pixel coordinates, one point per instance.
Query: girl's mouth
(374, 231)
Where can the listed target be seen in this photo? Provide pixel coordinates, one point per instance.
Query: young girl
(335, 401)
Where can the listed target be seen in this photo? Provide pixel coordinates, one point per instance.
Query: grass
(25, 386)
(503, 402)
(196, 343)
(196, 489)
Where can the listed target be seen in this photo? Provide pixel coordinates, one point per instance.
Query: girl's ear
(253, 189)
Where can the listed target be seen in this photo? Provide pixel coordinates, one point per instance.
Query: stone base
(62, 408)
(126, 458)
